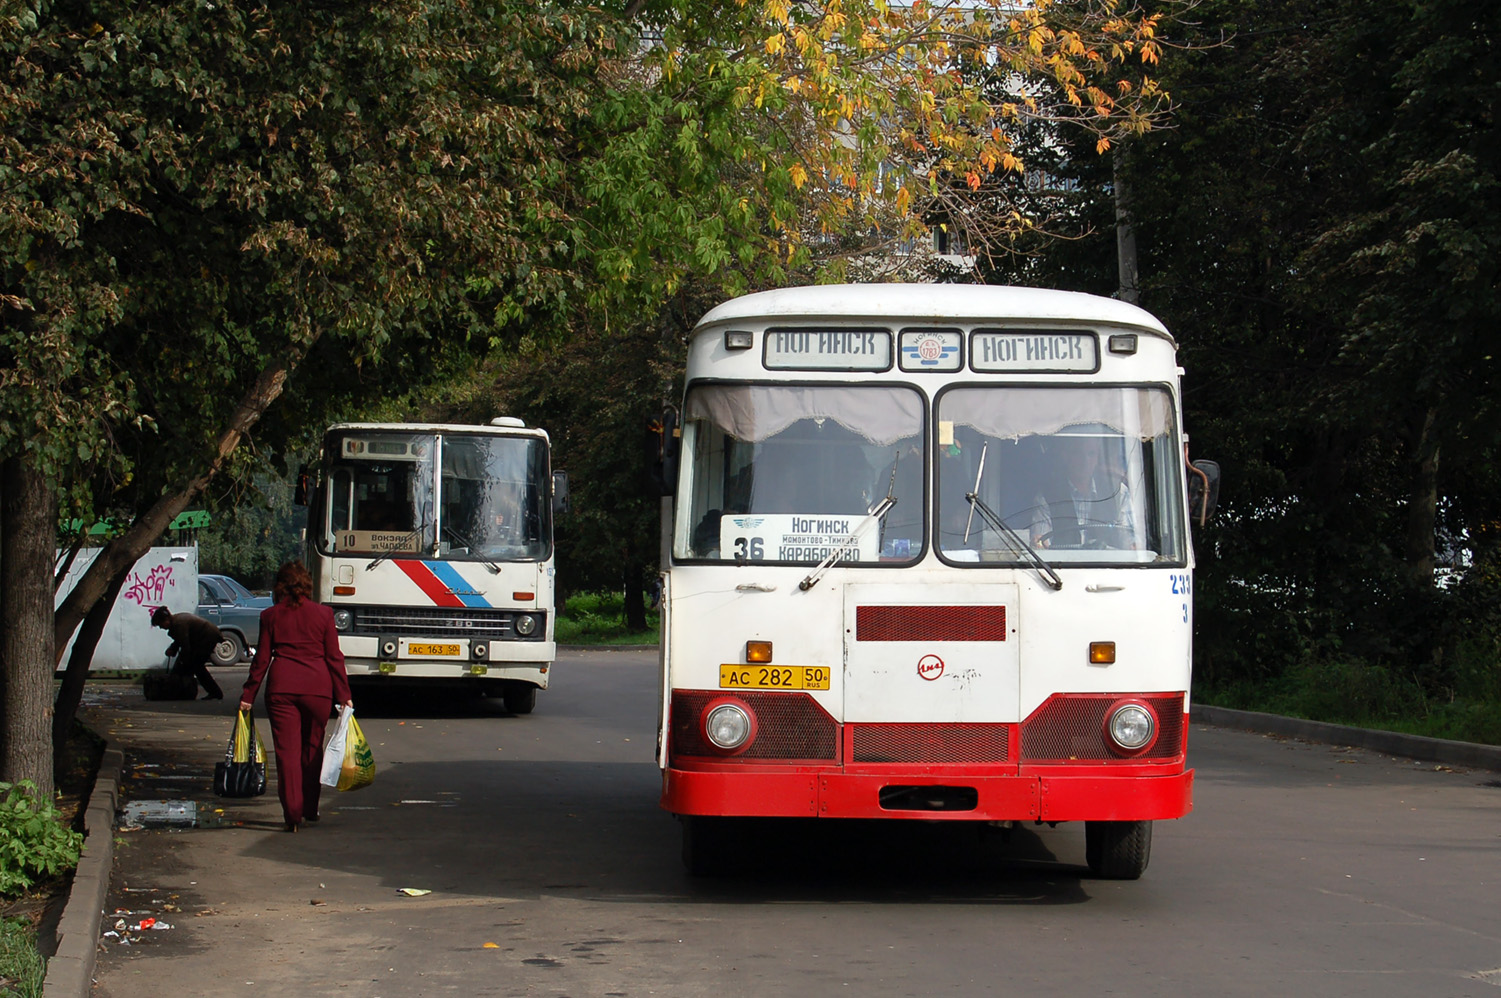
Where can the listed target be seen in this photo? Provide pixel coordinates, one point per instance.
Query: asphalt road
(1304, 870)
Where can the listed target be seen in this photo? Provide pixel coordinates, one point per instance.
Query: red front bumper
(1082, 793)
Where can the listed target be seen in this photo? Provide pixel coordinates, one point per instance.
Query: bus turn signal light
(1102, 653)
(758, 652)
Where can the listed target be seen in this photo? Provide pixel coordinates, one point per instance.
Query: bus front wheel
(519, 698)
(708, 844)
(1117, 850)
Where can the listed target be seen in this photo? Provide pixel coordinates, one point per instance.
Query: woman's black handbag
(243, 771)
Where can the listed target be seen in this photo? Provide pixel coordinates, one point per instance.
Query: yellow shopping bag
(247, 740)
(359, 762)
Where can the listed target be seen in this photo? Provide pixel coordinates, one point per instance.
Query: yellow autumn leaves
(875, 95)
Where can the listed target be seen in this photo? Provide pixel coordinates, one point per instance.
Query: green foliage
(1319, 229)
(33, 841)
(22, 968)
(1347, 691)
(595, 618)
(254, 531)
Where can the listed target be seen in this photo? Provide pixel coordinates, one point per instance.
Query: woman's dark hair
(293, 583)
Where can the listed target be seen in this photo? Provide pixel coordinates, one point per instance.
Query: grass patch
(599, 619)
(22, 968)
(1364, 695)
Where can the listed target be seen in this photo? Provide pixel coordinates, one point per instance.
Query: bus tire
(519, 698)
(708, 845)
(1117, 850)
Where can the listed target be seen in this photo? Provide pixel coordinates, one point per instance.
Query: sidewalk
(156, 751)
(166, 751)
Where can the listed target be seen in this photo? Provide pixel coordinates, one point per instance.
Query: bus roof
(488, 429)
(933, 303)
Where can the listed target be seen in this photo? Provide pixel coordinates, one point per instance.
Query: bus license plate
(447, 651)
(773, 677)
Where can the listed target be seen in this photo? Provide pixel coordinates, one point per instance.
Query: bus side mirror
(1203, 490)
(301, 489)
(662, 438)
(561, 503)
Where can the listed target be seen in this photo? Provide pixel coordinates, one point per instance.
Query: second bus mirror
(1203, 490)
(662, 452)
(561, 503)
(301, 489)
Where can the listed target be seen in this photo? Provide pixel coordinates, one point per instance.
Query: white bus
(929, 559)
(433, 545)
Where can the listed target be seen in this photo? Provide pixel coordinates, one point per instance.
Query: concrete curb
(1442, 750)
(70, 971)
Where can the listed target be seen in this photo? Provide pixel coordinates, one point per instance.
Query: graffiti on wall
(152, 589)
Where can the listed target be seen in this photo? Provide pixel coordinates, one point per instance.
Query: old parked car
(236, 611)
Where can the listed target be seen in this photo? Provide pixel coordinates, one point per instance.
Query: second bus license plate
(445, 650)
(773, 677)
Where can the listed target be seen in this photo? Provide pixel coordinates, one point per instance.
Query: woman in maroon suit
(298, 655)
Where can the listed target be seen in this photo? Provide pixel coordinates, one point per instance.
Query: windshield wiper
(1045, 570)
(412, 535)
(470, 546)
(874, 516)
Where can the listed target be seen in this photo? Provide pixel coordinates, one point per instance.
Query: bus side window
(341, 485)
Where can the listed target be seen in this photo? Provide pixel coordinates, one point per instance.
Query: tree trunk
(124, 551)
(1422, 500)
(28, 538)
(70, 693)
(635, 596)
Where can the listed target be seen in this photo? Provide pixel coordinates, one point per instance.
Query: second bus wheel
(710, 845)
(519, 698)
(1117, 850)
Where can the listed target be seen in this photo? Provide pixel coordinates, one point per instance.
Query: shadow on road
(592, 830)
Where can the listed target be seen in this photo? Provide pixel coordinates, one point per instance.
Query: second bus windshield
(779, 473)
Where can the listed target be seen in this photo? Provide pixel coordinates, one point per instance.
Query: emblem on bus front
(930, 667)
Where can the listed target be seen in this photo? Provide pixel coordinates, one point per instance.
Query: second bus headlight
(727, 726)
(526, 625)
(1132, 726)
(343, 619)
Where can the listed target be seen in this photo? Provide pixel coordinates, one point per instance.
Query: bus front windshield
(449, 496)
(1086, 474)
(793, 474)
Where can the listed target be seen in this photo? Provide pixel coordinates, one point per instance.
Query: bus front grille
(1070, 727)
(931, 743)
(789, 726)
(443, 622)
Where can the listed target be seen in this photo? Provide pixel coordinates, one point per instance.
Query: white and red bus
(433, 544)
(929, 559)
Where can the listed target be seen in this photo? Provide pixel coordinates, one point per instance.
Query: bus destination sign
(828, 349)
(1034, 350)
(807, 537)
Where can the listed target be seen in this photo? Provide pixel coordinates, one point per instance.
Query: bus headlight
(526, 625)
(728, 725)
(1131, 726)
(343, 619)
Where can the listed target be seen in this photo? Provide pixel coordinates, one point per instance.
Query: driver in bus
(1084, 503)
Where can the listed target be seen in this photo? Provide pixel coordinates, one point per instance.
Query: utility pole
(1125, 235)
